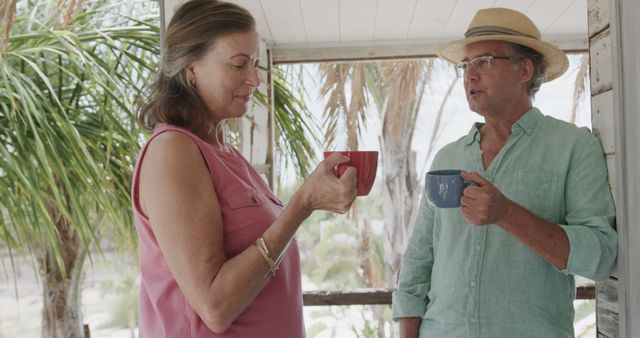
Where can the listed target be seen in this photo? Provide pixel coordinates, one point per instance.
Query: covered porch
(295, 31)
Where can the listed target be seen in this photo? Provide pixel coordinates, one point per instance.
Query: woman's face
(226, 75)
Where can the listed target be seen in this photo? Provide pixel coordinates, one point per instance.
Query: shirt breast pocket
(539, 191)
(243, 198)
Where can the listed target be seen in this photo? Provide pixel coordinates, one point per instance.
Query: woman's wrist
(299, 203)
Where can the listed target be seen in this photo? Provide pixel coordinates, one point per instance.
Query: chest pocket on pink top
(275, 200)
(243, 198)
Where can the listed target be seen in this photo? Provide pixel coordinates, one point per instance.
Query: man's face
(492, 88)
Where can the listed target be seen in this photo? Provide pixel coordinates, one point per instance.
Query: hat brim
(557, 61)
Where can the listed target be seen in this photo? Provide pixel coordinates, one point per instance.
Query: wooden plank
(352, 297)
(598, 11)
(545, 12)
(519, 5)
(357, 20)
(378, 50)
(393, 19)
(602, 120)
(611, 172)
(626, 100)
(573, 20)
(383, 296)
(607, 323)
(285, 20)
(461, 15)
(256, 137)
(586, 292)
(354, 52)
(601, 63)
(255, 8)
(430, 16)
(322, 19)
(607, 295)
(168, 7)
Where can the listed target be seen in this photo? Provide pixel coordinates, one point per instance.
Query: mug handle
(339, 169)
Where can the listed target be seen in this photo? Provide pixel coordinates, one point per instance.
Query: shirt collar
(527, 123)
(474, 133)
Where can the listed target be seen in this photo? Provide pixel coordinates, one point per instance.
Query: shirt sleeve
(410, 299)
(590, 215)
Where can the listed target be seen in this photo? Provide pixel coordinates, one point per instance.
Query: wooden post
(257, 132)
(167, 7)
(625, 29)
(602, 120)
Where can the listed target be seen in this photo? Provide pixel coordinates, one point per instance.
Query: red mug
(366, 164)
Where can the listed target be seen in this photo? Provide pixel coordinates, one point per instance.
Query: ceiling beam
(368, 50)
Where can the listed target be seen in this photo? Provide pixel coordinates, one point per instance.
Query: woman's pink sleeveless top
(248, 208)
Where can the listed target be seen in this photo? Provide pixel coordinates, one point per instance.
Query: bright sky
(554, 98)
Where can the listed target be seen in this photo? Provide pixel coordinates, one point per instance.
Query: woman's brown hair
(193, 29)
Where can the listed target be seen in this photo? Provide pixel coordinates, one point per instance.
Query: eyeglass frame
(462, 66)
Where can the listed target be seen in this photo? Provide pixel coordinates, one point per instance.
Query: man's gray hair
(519, 53)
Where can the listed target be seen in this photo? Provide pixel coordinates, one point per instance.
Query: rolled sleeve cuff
(407, 305)
(585, 252)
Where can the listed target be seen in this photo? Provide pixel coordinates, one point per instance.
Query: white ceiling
(315, 30)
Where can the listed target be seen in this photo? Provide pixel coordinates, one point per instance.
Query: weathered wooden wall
(625, 56)
(603, 126)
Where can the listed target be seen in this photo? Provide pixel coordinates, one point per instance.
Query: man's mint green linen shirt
(470, 281)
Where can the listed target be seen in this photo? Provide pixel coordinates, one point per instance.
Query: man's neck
(498, 124)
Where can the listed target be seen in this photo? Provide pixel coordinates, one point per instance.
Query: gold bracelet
(264, 250)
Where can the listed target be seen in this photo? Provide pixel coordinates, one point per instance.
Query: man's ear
(526, 70)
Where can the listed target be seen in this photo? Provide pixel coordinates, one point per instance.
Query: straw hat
(505, 24)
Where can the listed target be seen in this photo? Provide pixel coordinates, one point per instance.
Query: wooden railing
(383, 296)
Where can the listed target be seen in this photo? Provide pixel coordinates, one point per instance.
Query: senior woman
(217, 247)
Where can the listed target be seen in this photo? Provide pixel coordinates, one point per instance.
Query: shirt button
(473, 284)
(478, 247)
(473, 320)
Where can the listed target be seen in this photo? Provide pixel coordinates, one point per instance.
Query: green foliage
(68, 133)
(330, 244)
(350, 321)
(295, 126)
(332, 256)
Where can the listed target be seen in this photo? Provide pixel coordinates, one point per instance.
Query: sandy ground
(105, 293)
(109, 288)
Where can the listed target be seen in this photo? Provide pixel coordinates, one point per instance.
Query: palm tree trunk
(61, 315)
(7, 15)
(400, 198)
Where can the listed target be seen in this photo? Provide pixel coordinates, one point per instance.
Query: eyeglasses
(480, 64)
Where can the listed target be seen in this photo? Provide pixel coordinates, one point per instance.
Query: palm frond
(357, 112)
(403, 82)
(68, 130)
(580, 85)
(334, 77)
(295, 125)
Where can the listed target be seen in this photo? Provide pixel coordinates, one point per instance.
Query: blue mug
(444, 187)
